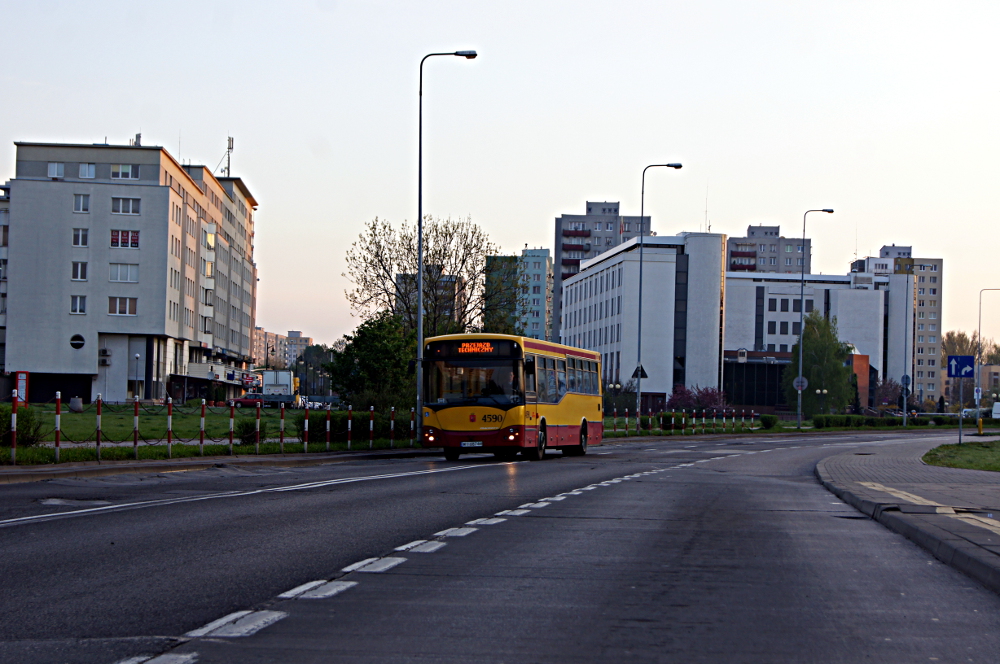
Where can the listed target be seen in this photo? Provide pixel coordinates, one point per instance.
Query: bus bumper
(504, 438)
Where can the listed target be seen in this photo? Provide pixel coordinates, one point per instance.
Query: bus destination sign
(477, 347)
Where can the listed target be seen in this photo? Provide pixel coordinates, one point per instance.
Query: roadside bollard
(673, 417)
(626, 422)
(715, 428)
(392, 426)
(201, 430)
(371, 427)
(350, 414)
(135, 427)
(683, 421)
(703, 430)
(327, 427)
(614, 420)
(232, 425)
(412, 413)
(170, 425)
(743, 421)
(256, 434)
(58, 422)
(305, 431)
(13, 428)
(98, 436)
(281, 429)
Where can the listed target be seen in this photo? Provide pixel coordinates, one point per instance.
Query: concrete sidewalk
(953, 513)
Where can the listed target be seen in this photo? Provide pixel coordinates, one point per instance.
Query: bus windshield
(474, 382)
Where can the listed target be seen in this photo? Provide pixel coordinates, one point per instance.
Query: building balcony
(735, 267)
(743, 254)
(571, 261)
(567, 275)
(576, 247)
(569, 233)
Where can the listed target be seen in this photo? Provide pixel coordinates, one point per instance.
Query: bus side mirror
(529, 367)
(411, 368)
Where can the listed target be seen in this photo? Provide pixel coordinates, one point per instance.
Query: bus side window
(529, 373)
(591, 379)
(561, 371)
(541, 374)
(573, 386)
(550, 380)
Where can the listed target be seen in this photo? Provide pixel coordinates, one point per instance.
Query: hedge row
(825, 421)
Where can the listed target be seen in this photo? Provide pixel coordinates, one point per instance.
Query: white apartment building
(764, 249)
(682, 317)
(579, 237)
(297, 345)
(128, 274)
(536, 319)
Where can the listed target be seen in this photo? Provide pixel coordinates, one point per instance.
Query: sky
(885, 111)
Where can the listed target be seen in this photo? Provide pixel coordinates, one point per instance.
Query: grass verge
(975, 455)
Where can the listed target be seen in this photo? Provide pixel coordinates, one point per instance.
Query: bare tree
(382, 265)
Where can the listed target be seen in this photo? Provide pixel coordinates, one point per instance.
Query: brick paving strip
(951, 512)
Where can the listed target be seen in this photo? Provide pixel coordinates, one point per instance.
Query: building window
(798, 248)
(796, 306)
(81, 202)
(796, 329)
(933, 280)
(920, 363)
(930, 363)
(934, 268)
(80, 237)
(772, 327)
(121, 306)
(79, 271)
(124, 171)
(933, 291)
(920, 315)
(774, 260)
(809, 306)
(788, 261)
(763, 247)
(798, 261)
(788, 248)
(920, 338)
(125, 239)
(932, 351)
(932, 315)
(128, 272)
(920, 350)
(932, 339)
(125, 206)
(930, 387)
(784, 327)
(87, 171)
(784, 348)
(770, 347)
(57, 170)
(784, 304)
(920, 291)
(920, 303)
(538, 277)
(78, 304)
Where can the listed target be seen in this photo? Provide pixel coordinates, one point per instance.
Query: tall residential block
(128, 274)
(764, 249)
(536, 319)
(579, 237)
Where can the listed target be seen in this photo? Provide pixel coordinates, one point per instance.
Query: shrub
(941, 419)
(821, 421)
(245, 430)
(768, 421)
(29, 425)
(920, 421)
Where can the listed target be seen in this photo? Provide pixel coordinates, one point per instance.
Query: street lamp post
(638, 352)
(979, 348)
(802, 310)
(469, 55)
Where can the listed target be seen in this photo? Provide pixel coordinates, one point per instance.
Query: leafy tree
(371, 368)
(382, 266)
(698, 398)
(824, 363)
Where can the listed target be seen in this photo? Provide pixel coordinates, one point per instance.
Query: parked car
(249, 400)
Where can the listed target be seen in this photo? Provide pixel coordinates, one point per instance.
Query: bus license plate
(472, 443)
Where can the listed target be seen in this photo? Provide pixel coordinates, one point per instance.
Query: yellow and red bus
(506, 394)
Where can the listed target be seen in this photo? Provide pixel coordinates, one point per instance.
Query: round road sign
(905, 380)
(800, 383)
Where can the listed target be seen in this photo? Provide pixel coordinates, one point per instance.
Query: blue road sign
(960, 366)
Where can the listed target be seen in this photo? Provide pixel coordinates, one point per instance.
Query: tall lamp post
(979, 350)
(638, 352)
(469, 55)
(800, 382)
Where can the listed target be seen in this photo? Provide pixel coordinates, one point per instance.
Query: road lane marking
(249, 624)
(407, 547)
(490, 522)
(298, 590)
(169, 658)
(359, 564)
(513, 512)
(537, 505)
(328, 589)
(381, 564)
(456, 532)
(429, 547)
(232, 494)
(202, 631)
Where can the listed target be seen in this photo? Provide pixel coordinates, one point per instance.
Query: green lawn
(977, 454)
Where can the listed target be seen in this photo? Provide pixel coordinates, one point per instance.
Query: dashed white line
(491, 522)
(513, 512)
(298, 590)
(456, 532)
(538, 505)
(169, 658)
(381, 564)
(328, 589)
(358, 565)
(407, 547)
(428, 547)
(202, 631)
(249, 624)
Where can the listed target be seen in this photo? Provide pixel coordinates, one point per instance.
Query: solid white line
(456, 532)
(381, 565)
(298, 590)
(359, 564)
(407, 547)
(249, 624)
(429, 547)
(230, 494)
(202, 631)
(328, 590)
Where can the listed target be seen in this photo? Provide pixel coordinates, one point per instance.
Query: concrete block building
(764, 249)
(128, 274)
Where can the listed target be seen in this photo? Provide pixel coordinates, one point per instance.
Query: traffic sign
(979, 393)
(639, 372)
(905, 382)
(800, 383)
(960, 366)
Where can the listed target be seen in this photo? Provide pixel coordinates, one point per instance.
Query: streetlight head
(677, 166)
(828, 211)
(470, 55)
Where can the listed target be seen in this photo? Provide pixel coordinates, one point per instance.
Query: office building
(579, 237)
(128, 274)
(682, 318)
(764, 249)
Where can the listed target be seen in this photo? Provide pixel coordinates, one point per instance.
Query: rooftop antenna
(706, 208)
(227, 158)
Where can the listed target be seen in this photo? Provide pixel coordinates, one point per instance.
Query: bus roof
(534, 345)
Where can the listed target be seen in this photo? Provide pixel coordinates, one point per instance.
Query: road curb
(970, 559)
(16, 475)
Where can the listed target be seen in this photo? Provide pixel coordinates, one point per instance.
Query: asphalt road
(709, 550)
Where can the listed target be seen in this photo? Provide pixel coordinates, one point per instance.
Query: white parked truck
(278, 386)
